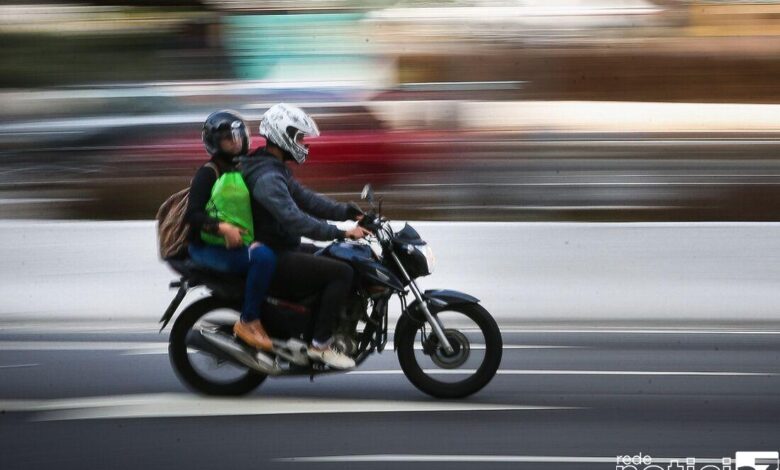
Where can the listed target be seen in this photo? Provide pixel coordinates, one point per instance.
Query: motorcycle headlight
(427, 253)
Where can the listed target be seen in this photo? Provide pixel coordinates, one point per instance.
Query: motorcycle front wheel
(477, 345)
(200, 370)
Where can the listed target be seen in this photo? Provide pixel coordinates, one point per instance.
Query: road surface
(565, 399)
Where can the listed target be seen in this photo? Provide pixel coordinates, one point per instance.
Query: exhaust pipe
(226, 345)
(195, 340)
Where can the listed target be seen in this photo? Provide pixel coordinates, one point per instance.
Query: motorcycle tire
(180, 359)
(405, 338)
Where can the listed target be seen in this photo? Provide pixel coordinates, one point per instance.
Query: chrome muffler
(255, 360)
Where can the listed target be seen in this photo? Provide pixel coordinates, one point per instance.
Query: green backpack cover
(230, 202)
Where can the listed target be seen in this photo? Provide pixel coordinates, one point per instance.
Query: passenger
(226, 136)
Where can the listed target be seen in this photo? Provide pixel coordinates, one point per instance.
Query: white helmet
(285, 126)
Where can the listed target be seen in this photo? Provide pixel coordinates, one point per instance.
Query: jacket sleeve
(200, 193)
(317, 204)
(272, 192)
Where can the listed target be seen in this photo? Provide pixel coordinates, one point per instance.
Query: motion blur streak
(458, 110)
(563, 155)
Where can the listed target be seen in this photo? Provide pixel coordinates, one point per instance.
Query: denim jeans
(257, 264)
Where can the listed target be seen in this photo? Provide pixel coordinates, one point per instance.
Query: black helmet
(224, 124)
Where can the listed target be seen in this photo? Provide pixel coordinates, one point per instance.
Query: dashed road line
(186, 405)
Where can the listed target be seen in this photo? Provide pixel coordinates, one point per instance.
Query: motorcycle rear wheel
(181, 359)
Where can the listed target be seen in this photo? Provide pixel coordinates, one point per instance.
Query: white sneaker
(331, 357)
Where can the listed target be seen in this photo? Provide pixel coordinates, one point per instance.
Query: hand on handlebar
(367, 219)
(354, 212)
(357, 232)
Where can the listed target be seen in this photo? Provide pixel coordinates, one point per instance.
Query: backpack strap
(214, 167)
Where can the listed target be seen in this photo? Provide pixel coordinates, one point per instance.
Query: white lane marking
(186, 405)
(163, 349)
(475, 458)
(17, 366)
(46, 328)
(517, 346)
(573, 372)
(137, 348)
(79, 345)
(639, 331)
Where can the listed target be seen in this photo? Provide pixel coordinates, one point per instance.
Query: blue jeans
(258, 264)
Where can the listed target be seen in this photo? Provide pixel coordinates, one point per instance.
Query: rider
(226, 136)
(284, 210)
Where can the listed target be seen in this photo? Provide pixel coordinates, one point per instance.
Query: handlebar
(371, 221)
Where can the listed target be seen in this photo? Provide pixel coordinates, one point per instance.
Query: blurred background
(454, 110)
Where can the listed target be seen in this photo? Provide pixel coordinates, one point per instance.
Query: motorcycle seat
(229, 286)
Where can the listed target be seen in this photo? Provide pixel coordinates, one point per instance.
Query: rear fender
(183, 286)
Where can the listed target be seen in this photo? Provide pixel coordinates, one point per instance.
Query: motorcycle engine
(345, 336)
(344, 344)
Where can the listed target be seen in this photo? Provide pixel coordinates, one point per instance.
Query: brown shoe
(253, 334)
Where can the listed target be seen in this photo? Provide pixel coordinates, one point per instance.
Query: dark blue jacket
(284, 210)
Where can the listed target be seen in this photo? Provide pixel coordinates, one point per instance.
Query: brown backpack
(172, 229)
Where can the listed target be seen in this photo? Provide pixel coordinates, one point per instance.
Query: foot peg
(293, 350)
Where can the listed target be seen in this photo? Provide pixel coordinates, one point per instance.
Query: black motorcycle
(448, 345)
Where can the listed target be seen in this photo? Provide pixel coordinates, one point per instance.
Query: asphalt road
(74, 397)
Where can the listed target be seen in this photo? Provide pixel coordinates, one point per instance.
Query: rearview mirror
(367, 194)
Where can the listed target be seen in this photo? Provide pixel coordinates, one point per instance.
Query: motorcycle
(448, 345)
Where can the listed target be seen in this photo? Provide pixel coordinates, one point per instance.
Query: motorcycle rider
(283, 210)
(226, 136)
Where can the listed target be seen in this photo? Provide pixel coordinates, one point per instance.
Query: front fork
(436, 326)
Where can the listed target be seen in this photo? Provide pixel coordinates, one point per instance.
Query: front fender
(445, 297)
(437, 300)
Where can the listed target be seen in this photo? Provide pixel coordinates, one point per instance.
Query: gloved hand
(354, 212)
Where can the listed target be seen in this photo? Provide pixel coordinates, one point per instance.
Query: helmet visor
(232, 138)
(237, 131)
(298, 137)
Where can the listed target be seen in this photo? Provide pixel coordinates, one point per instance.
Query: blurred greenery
(40, 59)
(83, 44)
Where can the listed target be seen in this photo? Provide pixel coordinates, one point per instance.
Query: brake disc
(460, 353)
